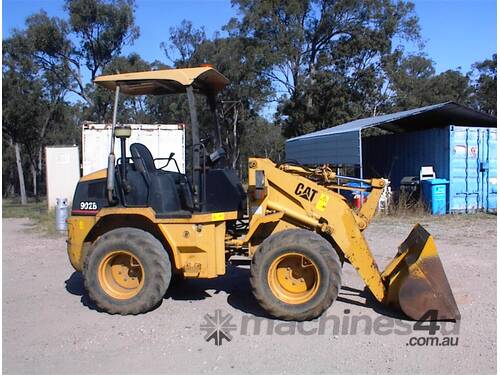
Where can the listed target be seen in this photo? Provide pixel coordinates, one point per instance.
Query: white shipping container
(161, 140)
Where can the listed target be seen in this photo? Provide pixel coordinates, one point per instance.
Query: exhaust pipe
(110, 178)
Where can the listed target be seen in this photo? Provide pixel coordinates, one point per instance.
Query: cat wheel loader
(135, 225)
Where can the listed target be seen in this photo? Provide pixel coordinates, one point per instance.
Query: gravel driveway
(51, 326)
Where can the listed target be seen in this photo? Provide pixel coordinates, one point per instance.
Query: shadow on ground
(75, 285)
(236, 284)
(346, 293)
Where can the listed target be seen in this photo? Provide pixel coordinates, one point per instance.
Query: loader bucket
(416, 281)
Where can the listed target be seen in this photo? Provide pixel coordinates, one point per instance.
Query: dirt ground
(51, 326)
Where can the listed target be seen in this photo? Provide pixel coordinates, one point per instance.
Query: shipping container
(465, 156)
(161, 140)
(473, 169)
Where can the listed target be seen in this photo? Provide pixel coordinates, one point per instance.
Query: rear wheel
(121, 274)
(127, 271)
(295, 275)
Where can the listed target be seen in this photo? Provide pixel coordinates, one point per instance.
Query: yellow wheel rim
(121, 274)
(293, 278)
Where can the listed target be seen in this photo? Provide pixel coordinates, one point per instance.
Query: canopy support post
(110, 178)
(195, 136)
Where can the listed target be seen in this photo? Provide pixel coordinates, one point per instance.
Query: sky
(457, 33)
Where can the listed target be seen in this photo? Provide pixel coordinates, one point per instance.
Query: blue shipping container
(465, 156)
(473, 169)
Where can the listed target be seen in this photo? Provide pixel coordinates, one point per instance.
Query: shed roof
(433, 116)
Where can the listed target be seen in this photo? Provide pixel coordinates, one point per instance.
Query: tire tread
(293, 237)
(161, 272)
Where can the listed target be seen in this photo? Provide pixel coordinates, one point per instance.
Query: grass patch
(406, 205)
(13, 209)
(43, 219)
(407, 208)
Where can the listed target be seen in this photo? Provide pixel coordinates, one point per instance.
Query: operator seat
(163, 194)
(141, 153)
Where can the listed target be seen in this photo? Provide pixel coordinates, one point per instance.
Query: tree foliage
(414, 83)
(96, 31)
(322, 46)
(46, 60)
(245, 96)
(33, 103)
(485, 85)
(183, 42)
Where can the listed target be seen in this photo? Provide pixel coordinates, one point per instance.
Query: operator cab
(140, 184)
(136, 181)
(170, 194)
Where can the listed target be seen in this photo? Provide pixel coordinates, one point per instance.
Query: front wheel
(295, 275)
(127, 271)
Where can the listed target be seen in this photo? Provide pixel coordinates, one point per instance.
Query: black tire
(156, 270)
(318, 251)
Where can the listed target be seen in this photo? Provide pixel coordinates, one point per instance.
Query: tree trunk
(22, 187)
(40, 159)
(39, 171)
(10, 191)
(34, 177)
(312, 82)
(236, 150)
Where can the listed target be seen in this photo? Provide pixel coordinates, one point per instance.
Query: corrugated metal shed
(432, 116)
(344, 148)
(463, 155)
(341, 144)
(395, 156)
(432, 135)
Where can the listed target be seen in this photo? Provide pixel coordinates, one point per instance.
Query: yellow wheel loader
(135, 225)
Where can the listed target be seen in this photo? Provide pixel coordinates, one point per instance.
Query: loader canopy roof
(205, 80)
